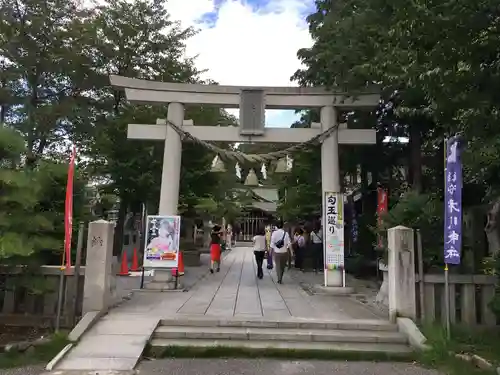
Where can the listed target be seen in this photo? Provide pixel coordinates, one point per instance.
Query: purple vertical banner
(453, 202)
(354, 223)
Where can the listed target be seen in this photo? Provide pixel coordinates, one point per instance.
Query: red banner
(68, 212)
(381, 202)
(381, 209)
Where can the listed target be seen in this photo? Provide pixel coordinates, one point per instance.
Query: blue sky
(257, 6)
(280, 119)
(248, 42)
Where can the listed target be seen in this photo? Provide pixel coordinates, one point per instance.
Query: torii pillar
(172, 155)
(330, 179)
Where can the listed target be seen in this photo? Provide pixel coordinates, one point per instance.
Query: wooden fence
(29, 297)
(470, 296)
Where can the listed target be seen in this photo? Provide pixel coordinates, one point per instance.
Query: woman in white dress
(229, 237)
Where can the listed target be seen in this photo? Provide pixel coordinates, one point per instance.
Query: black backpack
(279, 244)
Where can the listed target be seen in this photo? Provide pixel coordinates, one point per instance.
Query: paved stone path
(258, 367)
(366, 290)
(276, 367)
(235, 291)
(116, 341)
(127, 284)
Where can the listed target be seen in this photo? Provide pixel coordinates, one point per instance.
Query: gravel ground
(31, 370)
(276, 367)
(257, 367)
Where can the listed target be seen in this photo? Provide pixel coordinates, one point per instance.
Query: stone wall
(29, 296)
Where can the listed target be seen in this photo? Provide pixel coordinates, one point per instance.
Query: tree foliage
(43, 75)
(140, 40)
(436, 62)
(418, 211)
(31, 201)
(437, 67)
(55, 59)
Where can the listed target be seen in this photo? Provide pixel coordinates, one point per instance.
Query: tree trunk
(492, 228)
(188, 229)
(364, 181)
(119, 228)
(416, 158)
(206, 233)
(31, 156)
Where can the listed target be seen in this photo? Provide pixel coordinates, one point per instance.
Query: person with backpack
(280, 241)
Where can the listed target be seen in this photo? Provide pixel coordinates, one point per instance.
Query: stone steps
(289, 345)
(297, 323)
(297, 334)
(278, 334)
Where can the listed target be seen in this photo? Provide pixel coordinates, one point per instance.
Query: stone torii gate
(252, 102)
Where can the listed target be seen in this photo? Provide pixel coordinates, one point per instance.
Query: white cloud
(245, 45)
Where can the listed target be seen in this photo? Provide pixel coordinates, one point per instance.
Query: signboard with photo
(334, 230)
(162, 242)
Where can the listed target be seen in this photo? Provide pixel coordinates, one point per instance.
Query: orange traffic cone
(124, 266)
(180, 265)
(135, 261)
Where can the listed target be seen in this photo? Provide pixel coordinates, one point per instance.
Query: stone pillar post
(97, 293)
(330, 174)
(401, 263)
(170, 182)
(170, 177)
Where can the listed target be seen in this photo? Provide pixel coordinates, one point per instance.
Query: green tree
(435, 62)
(418, 211)
(43, 83)
(139, 40)
(43, 73)
(437, 68)
(52, 179)
(24, 229)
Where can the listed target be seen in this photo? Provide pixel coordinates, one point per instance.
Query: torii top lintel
(147, 92)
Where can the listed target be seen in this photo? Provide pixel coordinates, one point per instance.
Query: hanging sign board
(333, 223)
(162, 242)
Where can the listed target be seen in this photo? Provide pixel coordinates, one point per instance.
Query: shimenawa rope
(241, 157)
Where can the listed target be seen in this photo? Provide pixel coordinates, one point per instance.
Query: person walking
(317, 247)
(229, 237)
(259, 250)
(300, 248)
(269, 251)
(280, 241)
(215, 248)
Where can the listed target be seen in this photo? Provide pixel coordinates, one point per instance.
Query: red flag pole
(68, 213)
(382, 206)
(68, 231)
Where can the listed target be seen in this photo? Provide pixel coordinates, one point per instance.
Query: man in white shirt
(280, 242)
